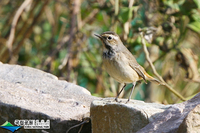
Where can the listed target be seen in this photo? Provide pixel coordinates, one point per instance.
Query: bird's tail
(152, 79)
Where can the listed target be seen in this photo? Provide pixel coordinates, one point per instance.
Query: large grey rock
(28, 93)
(108, 116)
(137, 116)
(170, 120)
(191, 124)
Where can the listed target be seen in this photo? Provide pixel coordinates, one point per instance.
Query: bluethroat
(120, 63)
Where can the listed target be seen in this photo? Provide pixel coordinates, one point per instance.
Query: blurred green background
(56, 36)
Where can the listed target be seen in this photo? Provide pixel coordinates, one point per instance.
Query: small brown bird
(120, 63)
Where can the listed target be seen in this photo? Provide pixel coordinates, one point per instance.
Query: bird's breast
(118, 67)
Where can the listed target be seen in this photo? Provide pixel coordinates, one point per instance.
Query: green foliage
(195, 26)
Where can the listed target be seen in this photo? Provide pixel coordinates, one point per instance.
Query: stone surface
(191, 124)
(170, 120)
(137, 116)
(108, 116)
(28, 93)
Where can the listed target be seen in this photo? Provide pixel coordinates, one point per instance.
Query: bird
(120, 64)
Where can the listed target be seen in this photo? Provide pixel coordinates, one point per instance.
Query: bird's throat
(108, 54)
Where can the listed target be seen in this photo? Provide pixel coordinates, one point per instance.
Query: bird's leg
(119, 93)
(134, 83)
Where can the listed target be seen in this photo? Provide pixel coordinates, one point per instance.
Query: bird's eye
(109, 38)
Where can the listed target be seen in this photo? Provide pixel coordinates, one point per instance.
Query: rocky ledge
(30, 94)
(108, 116)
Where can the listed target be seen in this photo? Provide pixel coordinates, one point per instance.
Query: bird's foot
(127, 101)
(117, 100)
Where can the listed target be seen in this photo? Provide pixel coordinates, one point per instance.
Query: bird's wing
(138, 69)
(134, 65)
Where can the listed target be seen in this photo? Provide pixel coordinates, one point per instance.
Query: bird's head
(110, 40)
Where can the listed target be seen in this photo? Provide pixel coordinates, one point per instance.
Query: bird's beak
(98, 36)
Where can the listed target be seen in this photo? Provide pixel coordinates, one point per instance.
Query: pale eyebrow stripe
(113, 36)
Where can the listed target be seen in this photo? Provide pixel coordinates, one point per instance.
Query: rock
(137, 116)
(28, 93)
(191, 124)
(108, 116)
(170, 120)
